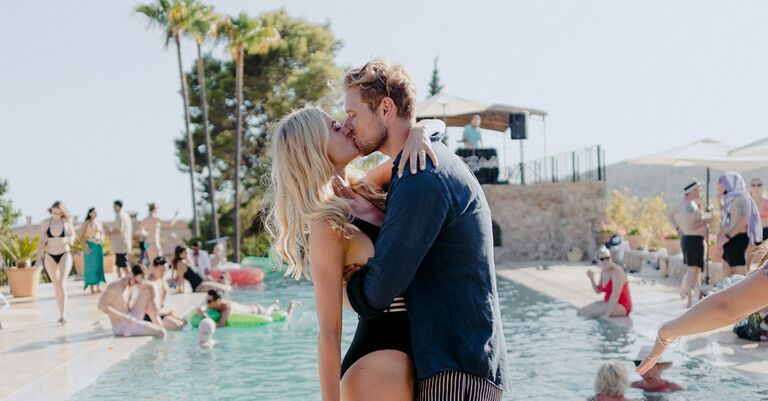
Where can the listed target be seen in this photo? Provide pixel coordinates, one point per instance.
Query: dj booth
(483, 162)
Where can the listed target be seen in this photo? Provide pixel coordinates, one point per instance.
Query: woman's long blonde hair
(302, 176)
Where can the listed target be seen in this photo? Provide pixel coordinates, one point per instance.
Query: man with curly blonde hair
(435, 248)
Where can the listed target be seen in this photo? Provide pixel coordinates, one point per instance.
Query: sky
(89, 104)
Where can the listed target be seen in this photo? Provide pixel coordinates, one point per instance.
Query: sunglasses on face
(208, 301)
(757, 185)
(604, 258)
(637, 363)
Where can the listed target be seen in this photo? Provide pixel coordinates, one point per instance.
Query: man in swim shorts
(127, 321)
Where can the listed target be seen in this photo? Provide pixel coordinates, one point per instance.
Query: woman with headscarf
(740, 223)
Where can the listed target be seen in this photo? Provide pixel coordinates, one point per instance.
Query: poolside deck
(44, 361)
(654, 301)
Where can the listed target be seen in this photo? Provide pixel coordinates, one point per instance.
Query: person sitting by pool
(652, 381)
(157, 280)
(129, 321)
(612, 276)
(205, 332)
(227, 308)
(184, 272)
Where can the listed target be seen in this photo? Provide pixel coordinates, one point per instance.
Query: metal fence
(577, 166)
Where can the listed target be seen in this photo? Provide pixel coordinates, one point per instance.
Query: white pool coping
(40, 360)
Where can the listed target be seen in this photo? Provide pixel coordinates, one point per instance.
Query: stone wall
(546, 221)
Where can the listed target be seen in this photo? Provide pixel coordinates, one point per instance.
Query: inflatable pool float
(241, 277)
(248, 320)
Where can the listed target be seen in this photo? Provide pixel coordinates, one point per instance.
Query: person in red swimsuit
(615, 303)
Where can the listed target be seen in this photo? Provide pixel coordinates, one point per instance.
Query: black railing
(577, 166)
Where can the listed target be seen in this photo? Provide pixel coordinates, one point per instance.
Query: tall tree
(202, 26)
(244, 34)
(8, 214)
(435, 86)
(174, 18)
(288, 76)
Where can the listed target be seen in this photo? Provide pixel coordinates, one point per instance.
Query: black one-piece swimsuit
(389, 331)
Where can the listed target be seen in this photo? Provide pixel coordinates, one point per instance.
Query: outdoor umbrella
(458, 111)
(757, 148)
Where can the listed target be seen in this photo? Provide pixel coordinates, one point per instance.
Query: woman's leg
(58, 272)
(152, 253)
(173, 323)
(739, 270)
(595, 309)
(685, 284)
(726, 269)
(145, 305)
(212, 285)
(380, 376)
(618, 311)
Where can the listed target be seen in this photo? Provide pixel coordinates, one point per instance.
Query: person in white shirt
(122, 239)
(201, 261)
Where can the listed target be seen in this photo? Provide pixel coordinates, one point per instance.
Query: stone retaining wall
(546, 221)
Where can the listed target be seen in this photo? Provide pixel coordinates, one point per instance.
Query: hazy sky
(89, 105)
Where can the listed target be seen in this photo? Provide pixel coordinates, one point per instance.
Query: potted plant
(109, 257)
(636, 239)
(77, 256)
(23, 278)
(672, 244)
(605, 235)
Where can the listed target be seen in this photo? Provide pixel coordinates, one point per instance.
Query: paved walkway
(653, 301)
(40, 360)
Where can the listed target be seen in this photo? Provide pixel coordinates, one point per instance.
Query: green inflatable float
(248, 320)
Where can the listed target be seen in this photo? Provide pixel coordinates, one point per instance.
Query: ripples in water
(553, 356)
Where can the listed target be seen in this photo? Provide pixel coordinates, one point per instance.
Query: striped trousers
(456, 386)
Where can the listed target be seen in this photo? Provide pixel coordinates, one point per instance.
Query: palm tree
(173, 16)
(243, 34)
(203, 23)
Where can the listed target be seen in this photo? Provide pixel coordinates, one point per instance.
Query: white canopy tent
(457, 112)
(754, 149)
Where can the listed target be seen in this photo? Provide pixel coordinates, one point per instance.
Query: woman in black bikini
(56, 239)
(315, 193)
(184, 273)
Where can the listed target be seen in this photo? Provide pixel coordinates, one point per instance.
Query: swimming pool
(553, 356)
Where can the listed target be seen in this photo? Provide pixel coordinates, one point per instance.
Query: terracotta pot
(672, 246)
(637, 241)
(109, 263)
(79, 262)
(23, 281)
(604, 237)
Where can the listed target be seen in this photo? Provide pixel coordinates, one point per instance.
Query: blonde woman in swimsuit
(56, 239)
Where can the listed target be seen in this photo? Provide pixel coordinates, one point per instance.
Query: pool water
(553, 356)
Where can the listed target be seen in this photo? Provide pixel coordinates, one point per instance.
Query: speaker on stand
(518, 132)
